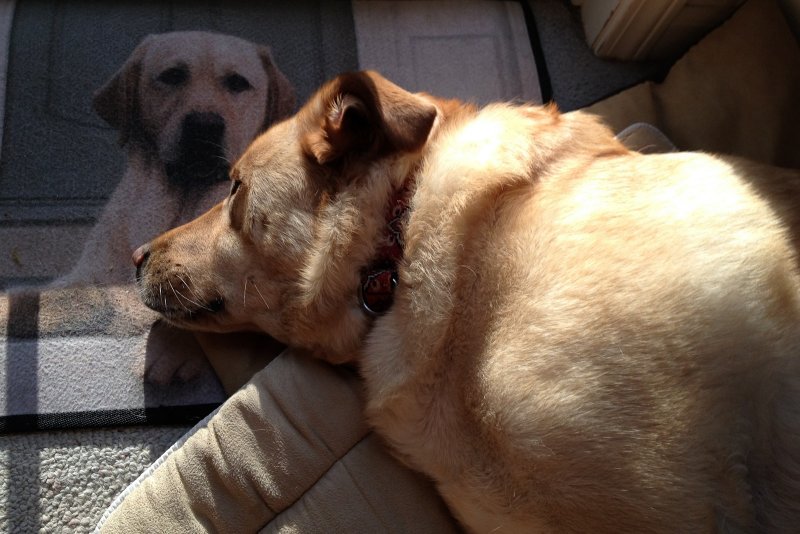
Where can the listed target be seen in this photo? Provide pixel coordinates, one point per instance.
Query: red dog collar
(379, 280)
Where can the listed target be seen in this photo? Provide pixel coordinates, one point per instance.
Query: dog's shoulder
(505, 144)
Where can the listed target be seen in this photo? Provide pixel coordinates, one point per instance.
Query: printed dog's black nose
(201, 157)
(203, 127)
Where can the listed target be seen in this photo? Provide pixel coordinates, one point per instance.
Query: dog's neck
(379, 278)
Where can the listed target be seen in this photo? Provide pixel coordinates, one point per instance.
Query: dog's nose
(204, 126)
(140, 255)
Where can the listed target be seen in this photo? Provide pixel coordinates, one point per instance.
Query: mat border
(545, 86)
(153, 416)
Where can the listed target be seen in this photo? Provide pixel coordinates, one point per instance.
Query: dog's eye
(235, 186)
(174, 76)
(236, 83)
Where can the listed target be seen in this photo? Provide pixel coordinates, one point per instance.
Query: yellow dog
(566, 336)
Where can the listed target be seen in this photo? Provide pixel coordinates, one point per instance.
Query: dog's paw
(172, 355)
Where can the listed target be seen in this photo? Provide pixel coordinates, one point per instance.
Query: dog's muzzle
(170, 293)
(201, 157)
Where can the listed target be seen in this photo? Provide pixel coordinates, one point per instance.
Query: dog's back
(610, 339)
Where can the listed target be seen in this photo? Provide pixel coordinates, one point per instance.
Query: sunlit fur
(584, 339)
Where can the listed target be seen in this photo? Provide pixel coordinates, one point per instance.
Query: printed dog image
(565, 335)
(186, 104)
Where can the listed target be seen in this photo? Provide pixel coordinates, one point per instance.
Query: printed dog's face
(196, 99)
(282, 253)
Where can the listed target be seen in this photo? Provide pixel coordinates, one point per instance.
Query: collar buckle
(376, 293)
(380, 279)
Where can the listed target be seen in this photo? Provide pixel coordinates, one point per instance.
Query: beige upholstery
(289, 452)
(735, 92)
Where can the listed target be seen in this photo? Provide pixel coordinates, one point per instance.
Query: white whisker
(176, 295)
(223, 158)
(180, 296)
(260, 295)
(190, 287)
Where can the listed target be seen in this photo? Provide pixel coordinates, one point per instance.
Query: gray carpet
(63, 481)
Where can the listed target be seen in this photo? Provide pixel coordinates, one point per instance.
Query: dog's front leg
(236, 357)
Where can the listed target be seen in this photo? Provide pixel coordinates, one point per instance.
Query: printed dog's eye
(174, 76)
(236, 83)
(235, 186)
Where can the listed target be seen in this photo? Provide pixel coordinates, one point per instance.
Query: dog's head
(282, 254)
(195, 100)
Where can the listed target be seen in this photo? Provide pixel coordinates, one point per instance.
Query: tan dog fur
(583, 339)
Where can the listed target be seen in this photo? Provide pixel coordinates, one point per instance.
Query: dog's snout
(203, 126)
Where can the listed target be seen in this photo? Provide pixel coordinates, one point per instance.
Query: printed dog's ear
(117, 101)
(365, 114)
(280, 91)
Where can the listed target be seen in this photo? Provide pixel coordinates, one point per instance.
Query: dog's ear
(280, 91)
(364, 114)
(117, 101)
